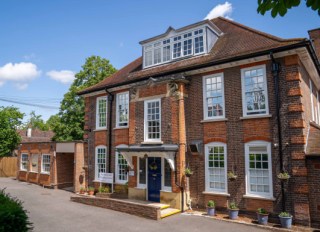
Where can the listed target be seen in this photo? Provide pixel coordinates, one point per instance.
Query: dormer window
(178, 44)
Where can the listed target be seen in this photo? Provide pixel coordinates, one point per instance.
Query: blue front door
(154, 178)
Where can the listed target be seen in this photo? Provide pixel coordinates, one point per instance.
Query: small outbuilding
(49, 163)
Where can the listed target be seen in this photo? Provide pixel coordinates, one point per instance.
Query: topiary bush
(13, 217)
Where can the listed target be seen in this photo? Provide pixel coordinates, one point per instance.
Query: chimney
(315, 39)
(29, 132)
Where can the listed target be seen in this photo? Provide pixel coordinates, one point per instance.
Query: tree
(71, 114)
(36, 122)
(52, 121)
(281, 6)
(10, 120)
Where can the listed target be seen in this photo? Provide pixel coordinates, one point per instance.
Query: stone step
(168, 212)
(162, 206)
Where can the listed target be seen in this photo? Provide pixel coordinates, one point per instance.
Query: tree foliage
(36, 122)
(10, 120)
(280, 7)
(70, 123)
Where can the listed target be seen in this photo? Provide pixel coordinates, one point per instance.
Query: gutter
(109, 139)
(305, 43)
(276, 68)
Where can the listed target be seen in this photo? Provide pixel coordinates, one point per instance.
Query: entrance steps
(166, 211)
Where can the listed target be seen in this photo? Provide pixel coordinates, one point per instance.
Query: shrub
(262, 211)
(233, 205)
(13, 217)
(104, 189)
(285, 214)
(211, 204)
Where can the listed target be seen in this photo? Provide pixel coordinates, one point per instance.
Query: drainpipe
(176, 182)
(275, 74)
(110, 99)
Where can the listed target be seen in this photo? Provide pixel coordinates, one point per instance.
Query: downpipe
(177, 184)
(109, 140)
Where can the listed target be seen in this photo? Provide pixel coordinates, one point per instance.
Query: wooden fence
(8, 166)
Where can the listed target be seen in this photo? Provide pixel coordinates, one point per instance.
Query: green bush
(13, 217)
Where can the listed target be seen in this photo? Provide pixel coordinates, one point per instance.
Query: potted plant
(82, 190)
(188, 172)
(233, 210)
(283, 176)
(262, 216)
(285, 220)
(211, 208)
(91, 191)
(232, 176)
(103, 192)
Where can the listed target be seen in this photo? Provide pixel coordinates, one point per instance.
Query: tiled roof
(36, 136)
(237, 40)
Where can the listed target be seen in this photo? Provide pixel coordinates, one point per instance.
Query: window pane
(255, 95)
(102, 112)
(153, 120)
(157, 56)
(177, 50)
(148, 58)
(142, 171)
(198, 44)
(101, 162)
(214, 98)
(216, 166)
(167, 174)
(123, 109)
(122, 169)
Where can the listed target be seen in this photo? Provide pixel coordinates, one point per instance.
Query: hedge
(13, 217)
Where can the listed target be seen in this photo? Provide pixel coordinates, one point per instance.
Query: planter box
(211, 211)
(233, 213)
(286, 222)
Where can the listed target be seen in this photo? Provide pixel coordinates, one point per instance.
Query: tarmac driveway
(52, 211)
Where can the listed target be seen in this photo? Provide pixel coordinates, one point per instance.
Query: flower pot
(263, 218)
(233, 213)
(211, 211)
(91, 193)
(286, 222)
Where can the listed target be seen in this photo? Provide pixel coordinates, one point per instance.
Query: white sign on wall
(106, 177)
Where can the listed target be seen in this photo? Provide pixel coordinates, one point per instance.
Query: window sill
(45, 173)
(256, 116)
(140, 188)
(214, 120)
(313, 123)
(216, 193)
(121, 127)
(23, 170)
(259, 197)
(33, 172)
(152, 142)
(100, 129)
(120, 183)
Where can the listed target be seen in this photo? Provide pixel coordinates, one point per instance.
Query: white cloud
(19, 73)
(63, 76)
(224, 10)
(21, 86)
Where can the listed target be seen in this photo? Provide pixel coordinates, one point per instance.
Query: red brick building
(48, 163)
(216, 97)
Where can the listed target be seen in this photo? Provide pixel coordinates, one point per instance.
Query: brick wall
(65, 170)
(313, 165)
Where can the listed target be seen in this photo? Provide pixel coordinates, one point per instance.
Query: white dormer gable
(189, 41)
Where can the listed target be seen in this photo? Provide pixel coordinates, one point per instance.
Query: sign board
(106, 177)
(131, 173)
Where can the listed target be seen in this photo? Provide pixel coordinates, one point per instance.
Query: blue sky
(43, 43)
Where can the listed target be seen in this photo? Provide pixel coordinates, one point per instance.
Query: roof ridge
(270, 36)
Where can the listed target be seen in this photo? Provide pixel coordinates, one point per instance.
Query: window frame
(117, 110)
(247, 175)
(43, 163)
(96, 170)
(22, 162)
(146, 139)
(243, 90)
(98, 127)
(163, 187)
(117, 179)
(31, 158)
(207, 179)
(142, 186)
(204, 89)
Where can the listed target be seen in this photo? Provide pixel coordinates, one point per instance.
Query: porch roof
(166, 151)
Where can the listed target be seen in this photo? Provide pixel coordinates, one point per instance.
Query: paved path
(52, 211)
